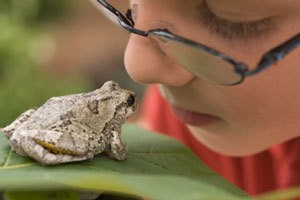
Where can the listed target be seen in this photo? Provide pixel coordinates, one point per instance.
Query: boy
(241, 118)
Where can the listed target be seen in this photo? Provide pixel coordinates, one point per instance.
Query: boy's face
(235, 120)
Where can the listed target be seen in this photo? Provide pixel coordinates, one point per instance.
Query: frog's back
(53, 111)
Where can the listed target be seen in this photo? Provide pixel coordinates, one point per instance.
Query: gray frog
(74, 127)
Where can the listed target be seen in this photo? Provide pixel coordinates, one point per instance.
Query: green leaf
(157, 167)
(38, 195)
(288, 193)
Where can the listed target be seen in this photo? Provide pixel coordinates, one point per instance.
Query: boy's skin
(244, 119)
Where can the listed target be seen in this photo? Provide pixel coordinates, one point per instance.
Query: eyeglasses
(203, 61)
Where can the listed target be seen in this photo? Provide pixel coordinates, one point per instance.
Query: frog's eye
(131, 100)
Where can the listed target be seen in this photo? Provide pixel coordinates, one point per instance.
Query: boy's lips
(194, 118)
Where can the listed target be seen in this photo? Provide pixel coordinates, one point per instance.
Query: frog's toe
(117, 153)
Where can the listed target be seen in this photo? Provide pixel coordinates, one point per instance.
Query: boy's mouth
(194, 118)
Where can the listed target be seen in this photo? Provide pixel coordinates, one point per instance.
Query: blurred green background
(52, 48)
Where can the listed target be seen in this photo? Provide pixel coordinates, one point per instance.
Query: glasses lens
(198, 61)
(121, 6)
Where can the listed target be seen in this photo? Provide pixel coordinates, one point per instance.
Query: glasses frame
(268, 59)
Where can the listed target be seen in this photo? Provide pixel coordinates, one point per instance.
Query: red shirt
(277, 167)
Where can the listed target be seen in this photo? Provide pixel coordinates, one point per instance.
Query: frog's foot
(9, 130)
(52, 147)
(118, 149)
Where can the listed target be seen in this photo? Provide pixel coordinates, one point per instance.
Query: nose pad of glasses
(157, 43)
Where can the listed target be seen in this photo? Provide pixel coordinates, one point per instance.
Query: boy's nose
(147, 63)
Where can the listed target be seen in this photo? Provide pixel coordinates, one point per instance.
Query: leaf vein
(153, 164)
(166, 153)
(17, 166)
(7, 159)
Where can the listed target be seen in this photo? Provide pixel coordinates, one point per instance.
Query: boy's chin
(224, 145)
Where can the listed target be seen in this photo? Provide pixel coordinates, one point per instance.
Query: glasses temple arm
(276, 54)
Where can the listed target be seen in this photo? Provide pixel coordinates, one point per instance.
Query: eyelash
(232, 30)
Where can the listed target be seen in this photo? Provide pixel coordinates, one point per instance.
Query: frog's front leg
(118, 149)
(52, 147)
(9, 130)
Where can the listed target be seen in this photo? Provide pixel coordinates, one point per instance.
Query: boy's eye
(232, 30)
